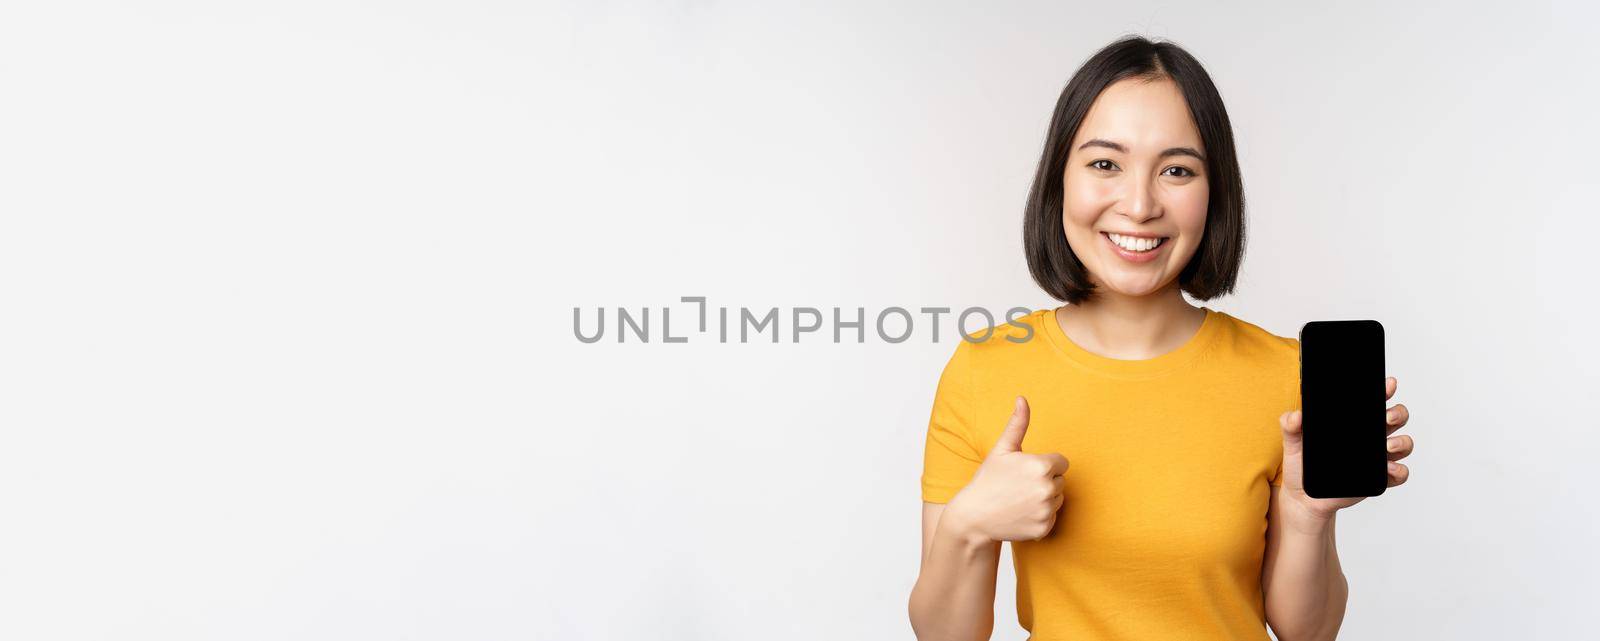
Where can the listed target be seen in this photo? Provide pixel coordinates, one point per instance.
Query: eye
(1186, 173)
(1096, 165)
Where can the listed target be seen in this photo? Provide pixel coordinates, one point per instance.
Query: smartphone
(1342, 406)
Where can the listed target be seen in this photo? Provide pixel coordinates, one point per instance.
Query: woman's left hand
(1317, 511)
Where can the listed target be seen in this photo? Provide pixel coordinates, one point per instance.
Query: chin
(1132, 290)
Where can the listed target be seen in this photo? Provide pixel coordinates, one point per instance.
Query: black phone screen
(1342, 407)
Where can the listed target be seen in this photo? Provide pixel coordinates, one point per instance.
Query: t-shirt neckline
(1160, 365)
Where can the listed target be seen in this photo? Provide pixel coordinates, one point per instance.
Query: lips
(1136, 243)
(1157, 245)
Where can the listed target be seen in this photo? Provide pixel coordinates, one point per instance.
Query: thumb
(1016, 428)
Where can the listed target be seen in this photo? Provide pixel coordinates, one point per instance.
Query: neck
(1131, 327)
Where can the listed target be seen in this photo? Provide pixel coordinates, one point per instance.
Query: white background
(286, 341)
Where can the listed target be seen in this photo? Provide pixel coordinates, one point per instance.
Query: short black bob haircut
(1214, 268)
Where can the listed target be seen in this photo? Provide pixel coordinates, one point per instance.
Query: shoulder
(1253, 334)
(1017, 336)
(1255, 342)
(1014, 333)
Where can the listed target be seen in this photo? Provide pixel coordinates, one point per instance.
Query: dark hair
(1212, 270)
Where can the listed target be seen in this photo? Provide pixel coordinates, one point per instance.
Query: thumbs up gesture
(1014, 495)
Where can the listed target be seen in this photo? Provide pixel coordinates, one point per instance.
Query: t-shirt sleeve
(950, 455)
(1292, 400)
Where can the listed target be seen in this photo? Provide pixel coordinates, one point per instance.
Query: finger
(1290, 421)
(1400, 446)
(1292, 425)
(1060, 483)
(1055, 503)
(1389, 385)
(1016, 428)
(1398, 473)
(1396, 417)
(1058, 463)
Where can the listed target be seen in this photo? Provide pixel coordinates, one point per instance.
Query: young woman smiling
(1142, 454)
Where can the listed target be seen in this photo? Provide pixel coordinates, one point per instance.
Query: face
(1131, 177)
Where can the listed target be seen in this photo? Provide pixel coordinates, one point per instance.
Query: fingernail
(1393, 415)
(1394, 467)
(1394, 445)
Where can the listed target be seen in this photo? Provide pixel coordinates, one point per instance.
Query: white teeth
(1135, 244)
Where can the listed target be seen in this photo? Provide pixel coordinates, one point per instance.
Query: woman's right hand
(1014, 495)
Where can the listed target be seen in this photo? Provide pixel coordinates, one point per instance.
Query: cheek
(1084, 201)
(1188, 207)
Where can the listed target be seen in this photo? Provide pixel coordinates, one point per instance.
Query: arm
(954, 595)
(1013, 496)
(1304, 586)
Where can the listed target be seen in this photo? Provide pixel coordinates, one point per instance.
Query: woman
(1128, 450)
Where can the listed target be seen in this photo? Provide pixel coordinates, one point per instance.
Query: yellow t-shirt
(1164, 525)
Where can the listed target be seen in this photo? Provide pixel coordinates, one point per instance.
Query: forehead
(1148, 116)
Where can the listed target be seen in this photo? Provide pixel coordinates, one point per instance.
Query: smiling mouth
(1136, 244)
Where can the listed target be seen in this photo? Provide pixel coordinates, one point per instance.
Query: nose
(1139, 204)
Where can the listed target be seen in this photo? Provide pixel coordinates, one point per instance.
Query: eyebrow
(1175, 151)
